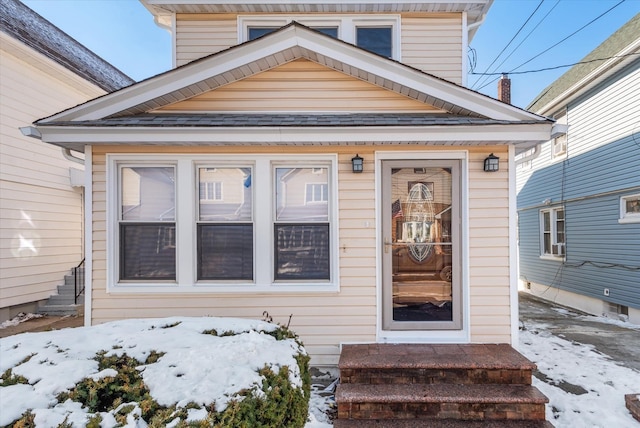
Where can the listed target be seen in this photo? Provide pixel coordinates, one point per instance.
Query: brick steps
(383, 385)
(441, 401)
(431, 423)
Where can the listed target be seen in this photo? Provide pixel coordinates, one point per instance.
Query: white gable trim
(245, 58)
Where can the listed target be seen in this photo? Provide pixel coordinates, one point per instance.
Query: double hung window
(552, 227)
(147, 228)
(237, 223)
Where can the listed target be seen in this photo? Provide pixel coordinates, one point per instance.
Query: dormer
(431, 36)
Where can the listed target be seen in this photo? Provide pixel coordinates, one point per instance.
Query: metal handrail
(78, 279)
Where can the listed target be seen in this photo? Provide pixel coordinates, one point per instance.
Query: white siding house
(579, 194)
(41, 207)
(417, 246)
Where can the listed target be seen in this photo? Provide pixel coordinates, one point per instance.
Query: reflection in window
(375, 39)
(301, 231)
(147, 223)
(225, 226)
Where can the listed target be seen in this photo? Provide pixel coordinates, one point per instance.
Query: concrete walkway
(620, 342)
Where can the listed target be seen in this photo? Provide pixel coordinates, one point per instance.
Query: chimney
(504, 89)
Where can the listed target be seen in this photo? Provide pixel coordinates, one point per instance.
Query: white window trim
(563, 153)
(553, 221)
(186, 233)
(626, 217)
(346, 26)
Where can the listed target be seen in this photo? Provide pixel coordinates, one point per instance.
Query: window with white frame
(380, 34)
(147, 226)
(559, 146)
(273, 227)
(552, 231)
(630, 209)
(225, 230)
(301, 230)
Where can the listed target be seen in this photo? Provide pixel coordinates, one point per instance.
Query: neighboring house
(42, 70)
(579, 194)
(318, 162)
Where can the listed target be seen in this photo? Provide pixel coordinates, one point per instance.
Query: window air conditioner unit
(557, 249)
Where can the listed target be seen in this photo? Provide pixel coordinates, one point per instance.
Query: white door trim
(431, 336)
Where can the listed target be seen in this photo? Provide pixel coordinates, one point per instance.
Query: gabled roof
(475, 10)
(23, 24)
(130, 115)
(618, 50)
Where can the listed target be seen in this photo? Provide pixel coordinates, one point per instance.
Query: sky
(123, 33)
(204, 369)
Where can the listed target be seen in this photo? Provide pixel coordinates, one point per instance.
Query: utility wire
(512, 39)
(558, 66)
(556, 44)
(571, 35)
(526, 37)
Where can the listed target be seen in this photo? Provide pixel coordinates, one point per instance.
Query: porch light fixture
(491, 163)
(357, 164)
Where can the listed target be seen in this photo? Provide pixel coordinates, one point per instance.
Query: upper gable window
(380, 34)
(375, 39)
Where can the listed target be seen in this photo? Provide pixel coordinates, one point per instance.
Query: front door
(421, 286)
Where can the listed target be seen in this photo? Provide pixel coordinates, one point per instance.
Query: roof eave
(588, 82)
(76, 137)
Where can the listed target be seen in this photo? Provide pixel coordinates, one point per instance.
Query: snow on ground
(194, 365)
(585, 388)
(20, 318)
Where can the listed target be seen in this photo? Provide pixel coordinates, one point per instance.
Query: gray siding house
(579, 194)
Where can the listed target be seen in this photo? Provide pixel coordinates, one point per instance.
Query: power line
(513, 38)
(526, 37)
(512, 71)
(572, 34)
(557, 66)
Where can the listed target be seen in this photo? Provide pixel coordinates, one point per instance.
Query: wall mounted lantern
(357, 163)
(491, 163)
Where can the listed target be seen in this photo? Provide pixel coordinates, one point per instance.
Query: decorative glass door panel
(421, 250)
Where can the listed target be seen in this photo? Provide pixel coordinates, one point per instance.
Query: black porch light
(491, 163)
(357, 164)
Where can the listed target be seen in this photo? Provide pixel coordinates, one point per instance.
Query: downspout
(67, 154)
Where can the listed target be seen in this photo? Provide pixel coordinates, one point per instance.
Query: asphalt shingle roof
(609, 48)
(283, 120)
(26, 26)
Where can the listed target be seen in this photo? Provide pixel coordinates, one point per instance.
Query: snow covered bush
(173, 372)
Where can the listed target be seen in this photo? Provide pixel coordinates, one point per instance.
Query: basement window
(630, 209)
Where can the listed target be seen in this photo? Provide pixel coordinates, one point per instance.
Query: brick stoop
(385, 385)
(632, 401)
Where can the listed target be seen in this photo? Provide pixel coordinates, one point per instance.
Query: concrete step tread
(439, 393)
(437, 423)
(433, 356)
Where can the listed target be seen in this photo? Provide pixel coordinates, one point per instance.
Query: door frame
(458, 335)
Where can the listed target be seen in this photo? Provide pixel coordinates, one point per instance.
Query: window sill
(629, 220)
(155, 288)
(554, 258)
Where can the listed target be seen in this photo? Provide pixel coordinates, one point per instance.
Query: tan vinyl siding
(325, 320)
(40, 213)
(300, 86)
(429, 42)
(489, 288)
(434, 45)
(200, 35)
